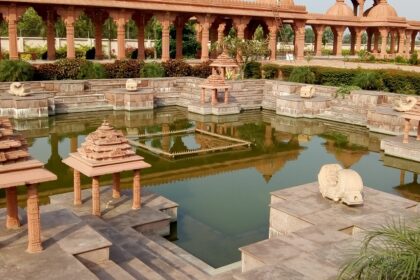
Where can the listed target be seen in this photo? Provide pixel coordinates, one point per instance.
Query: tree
(309, 35)
(31, 24)
(328, 36)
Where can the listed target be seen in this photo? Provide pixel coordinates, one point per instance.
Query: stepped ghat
(213, 19)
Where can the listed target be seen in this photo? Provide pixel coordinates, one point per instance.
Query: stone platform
(311, 237)
(141, 99)
(296, 106)
(394, 146)
(220, 109)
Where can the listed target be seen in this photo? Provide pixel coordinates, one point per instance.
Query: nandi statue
(340, 184)
(405, 106)
(131, 85)
(18, 89)
(307, 92)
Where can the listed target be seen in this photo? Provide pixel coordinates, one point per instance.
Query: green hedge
(397, 81)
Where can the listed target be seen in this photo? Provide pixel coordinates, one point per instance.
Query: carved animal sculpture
(405, 106)
(307, 92)
(340, 184)
(131, 85)
(18, 89)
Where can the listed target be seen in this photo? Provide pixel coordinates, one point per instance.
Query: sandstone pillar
(141, 55)
(413, 41)
(12, 19)
(77, 188)
(393, 42)
(408, 34)
(214, 97)
(338, 40)
(51, 18)
(299, 29)
(34, 221)
(116, 185)
(221, 33)
(69, 16)
(401, 41)
(121, 38)
(407, 127)
(96, 201)
(240, 24)
(136, 190)
(179, 36)
(358, 42)
(319, 32)
(165, 20)
(12, 219)
(273, 42)
(98, 38)
(384, 42)
(226, 96)
(205, 22)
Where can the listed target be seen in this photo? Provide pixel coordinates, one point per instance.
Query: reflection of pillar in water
(212, 127)
(73, 144)
(402, 177)
(166, 139)
(268, 140)
(415, 177)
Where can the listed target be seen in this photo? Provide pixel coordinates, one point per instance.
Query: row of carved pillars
(33, 216)
(116, 191)
(401, 41)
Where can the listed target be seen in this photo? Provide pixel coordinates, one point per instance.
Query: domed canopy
(381, 10)
(286, 3)
(223, 60)
(340, 9)
(215, 81)
(13, 147)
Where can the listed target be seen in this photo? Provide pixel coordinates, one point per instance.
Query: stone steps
(109, 270)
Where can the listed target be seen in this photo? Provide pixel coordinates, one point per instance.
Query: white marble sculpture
(405, 106)
(18, 89)
(340, 184)
(131, 85)
(307, 92)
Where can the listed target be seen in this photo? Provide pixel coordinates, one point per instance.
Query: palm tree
(387, 253)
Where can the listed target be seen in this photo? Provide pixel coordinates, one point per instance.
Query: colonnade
(402, 41)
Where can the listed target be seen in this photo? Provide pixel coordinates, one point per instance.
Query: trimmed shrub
(252, 70)
(333, 76)
(90, 70)
(271, 71)
(68, 69)
(202, 70)
(302, 75)
(369, 80)
(152, 70)
(400, 60)
(345, 90)
(46, 72)
(177, 68)
(123, 69)
(414, 59)
(15, 71)
(286, 71)
(402, 82)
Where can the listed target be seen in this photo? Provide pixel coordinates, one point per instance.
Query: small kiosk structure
(106, 151)
(224, 64)
(17, 168)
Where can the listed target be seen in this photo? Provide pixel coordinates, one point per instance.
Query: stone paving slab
(394, 146)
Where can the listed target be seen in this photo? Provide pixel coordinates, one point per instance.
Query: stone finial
(18, 89)
(405, 105)
(131, 85)
(106, 144)
(340, 184)
(13, 147)
(307, 92)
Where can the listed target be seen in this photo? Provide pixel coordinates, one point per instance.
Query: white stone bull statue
(405, 106)
(18, 89)
(307, 92)
(340, 184)
(131, 85)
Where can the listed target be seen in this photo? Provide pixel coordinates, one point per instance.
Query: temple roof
(224, 60)
(215, 81)
(13, 147)
(340, 9)
(381, 10)
(106, 143)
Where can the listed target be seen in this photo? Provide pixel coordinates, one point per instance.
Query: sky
(405, 8)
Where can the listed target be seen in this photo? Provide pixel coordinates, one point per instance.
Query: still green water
(223, 197)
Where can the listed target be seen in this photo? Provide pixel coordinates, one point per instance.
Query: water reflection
(224, 196)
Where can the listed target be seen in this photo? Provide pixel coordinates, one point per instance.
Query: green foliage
(37, 50)
(202, 70)
(152, 70)
(46, 72)
(302, 75)
(402, 82)
(414, 58)
(333, 76)
(271, 71)
(388, 252)
(177, 68)
(369, 80)
(68, 69)
(345, 90)
(286, 71)
(31, 24)
(123, 69)
(90, 70)
(400, 60)
(364, 55)
(252, 70)
(15, 71)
